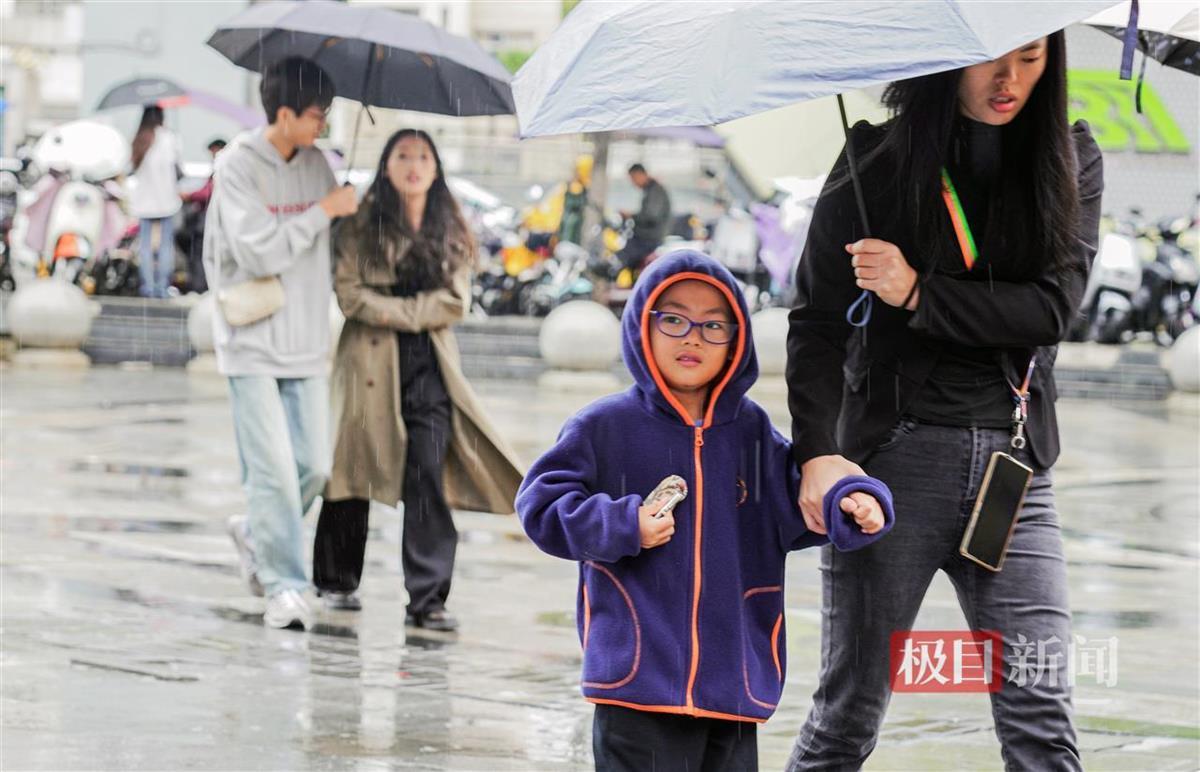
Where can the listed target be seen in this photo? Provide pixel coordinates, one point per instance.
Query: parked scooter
(115, 271)
(72, 212)
(1163, 304)
(566, 276)
(76, 220)
(1106, 311)
(9, 187)
(503, 285)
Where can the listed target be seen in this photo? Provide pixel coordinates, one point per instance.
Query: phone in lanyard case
(994, 517)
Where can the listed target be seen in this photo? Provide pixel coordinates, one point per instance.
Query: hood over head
(734, 381)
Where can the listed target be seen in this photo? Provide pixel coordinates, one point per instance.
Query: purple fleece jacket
(695, 626)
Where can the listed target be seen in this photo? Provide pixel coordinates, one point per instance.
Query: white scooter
(71, 211)
(1115, 277)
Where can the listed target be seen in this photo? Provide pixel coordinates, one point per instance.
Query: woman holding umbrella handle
(410, 427)
(985, 205)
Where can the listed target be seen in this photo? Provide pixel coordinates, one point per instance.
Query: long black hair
(444, 242)
(1035, 214)
(152, 118)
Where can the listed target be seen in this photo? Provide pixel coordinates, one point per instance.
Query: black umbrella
(141, 92)
(374, 55)
(1168, 32)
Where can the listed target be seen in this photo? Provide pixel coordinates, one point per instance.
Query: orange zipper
(698, 520)
(698, 426)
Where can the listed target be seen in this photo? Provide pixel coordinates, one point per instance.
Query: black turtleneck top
(967, 386)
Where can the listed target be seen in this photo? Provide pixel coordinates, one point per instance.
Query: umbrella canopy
(625, 65)
(246, 117)
(168, 94)
(141, 92)
(1168, 32)
(752, 142)
(85, 149)
(374, 55)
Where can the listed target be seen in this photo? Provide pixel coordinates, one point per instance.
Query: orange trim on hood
(652, 366)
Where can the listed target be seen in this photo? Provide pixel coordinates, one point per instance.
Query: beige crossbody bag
(250, 301)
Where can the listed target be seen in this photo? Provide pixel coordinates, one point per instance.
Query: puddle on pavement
(1105, 564)
(1119, 620)
(93, 427)
(1092, 538)
(557, 618)
(118, 467)
(86, 589)
(23, 523)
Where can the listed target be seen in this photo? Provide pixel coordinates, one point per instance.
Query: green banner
(1107, 103)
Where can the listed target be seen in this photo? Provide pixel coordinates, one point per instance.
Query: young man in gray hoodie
(273, 199)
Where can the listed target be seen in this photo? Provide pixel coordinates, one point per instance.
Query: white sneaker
(240, 533)
(287, 608)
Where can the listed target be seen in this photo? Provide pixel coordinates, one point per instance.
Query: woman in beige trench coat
(409, 426)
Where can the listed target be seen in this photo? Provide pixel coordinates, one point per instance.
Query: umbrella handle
(859, 312)
(357, 122)
(366, 81)
(852, 164)
(352, 158)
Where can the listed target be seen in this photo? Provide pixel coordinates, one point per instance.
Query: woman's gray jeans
(934, 473)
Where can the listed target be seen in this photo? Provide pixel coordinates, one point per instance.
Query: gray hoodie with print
(264, 220)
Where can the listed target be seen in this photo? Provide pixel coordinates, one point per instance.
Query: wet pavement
(128, 641)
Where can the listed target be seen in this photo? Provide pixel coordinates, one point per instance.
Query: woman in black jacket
(984, 205)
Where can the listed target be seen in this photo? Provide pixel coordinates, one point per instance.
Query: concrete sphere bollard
(49, 313)
(580, 341)
(770, 340)
(580, 335)
(51, 320)
(200, 323)
(200, 333)
(1183, 361)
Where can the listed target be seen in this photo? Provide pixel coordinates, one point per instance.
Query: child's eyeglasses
(677, 326)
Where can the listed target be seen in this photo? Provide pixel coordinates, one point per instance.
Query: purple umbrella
(246, 117)
(164, 93)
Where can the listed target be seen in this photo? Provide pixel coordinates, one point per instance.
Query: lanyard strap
(1021, 403)
(1021, 395)
(962, 229)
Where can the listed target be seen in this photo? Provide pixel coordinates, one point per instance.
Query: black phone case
(964, 548)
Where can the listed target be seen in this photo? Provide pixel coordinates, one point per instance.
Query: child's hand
(655, 531)
(865, 510)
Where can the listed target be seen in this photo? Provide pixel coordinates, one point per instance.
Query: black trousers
(430, 540)
(627, 740)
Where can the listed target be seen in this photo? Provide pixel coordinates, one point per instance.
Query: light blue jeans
(156, 278)
(282, 429)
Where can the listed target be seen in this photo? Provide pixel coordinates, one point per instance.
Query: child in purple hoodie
(681, 616)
